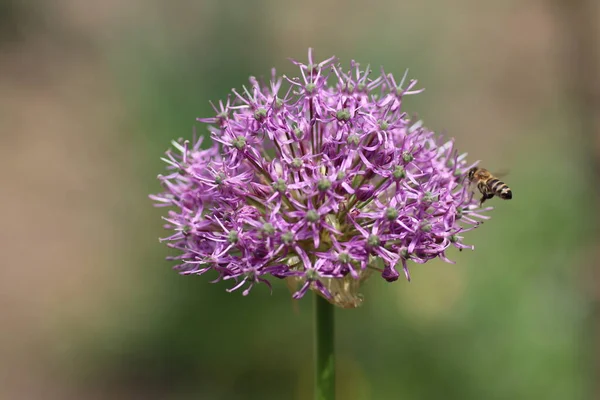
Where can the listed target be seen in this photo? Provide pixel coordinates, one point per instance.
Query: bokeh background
(91, 93)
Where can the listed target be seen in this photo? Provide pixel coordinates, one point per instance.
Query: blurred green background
(91, 93)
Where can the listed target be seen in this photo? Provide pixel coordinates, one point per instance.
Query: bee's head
(471, 173)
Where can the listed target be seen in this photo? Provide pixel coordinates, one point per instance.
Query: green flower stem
(324, 350)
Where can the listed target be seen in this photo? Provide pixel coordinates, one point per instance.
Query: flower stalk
(324, 349)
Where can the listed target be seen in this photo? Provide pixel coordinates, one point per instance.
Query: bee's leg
(485, 197)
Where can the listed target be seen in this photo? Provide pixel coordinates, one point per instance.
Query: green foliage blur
(510, 320)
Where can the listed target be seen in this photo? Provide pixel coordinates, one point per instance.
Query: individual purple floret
(321, 180)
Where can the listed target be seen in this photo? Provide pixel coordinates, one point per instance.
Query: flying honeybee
(488, 185)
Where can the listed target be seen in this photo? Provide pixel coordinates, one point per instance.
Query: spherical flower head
(320, 179)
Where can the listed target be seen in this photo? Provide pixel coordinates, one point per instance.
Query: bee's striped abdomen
(505, 193)
(500, 189)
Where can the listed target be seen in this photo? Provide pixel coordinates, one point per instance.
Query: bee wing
(472, 185)
(502, 173)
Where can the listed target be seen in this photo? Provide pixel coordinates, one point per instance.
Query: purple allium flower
(322, 182)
